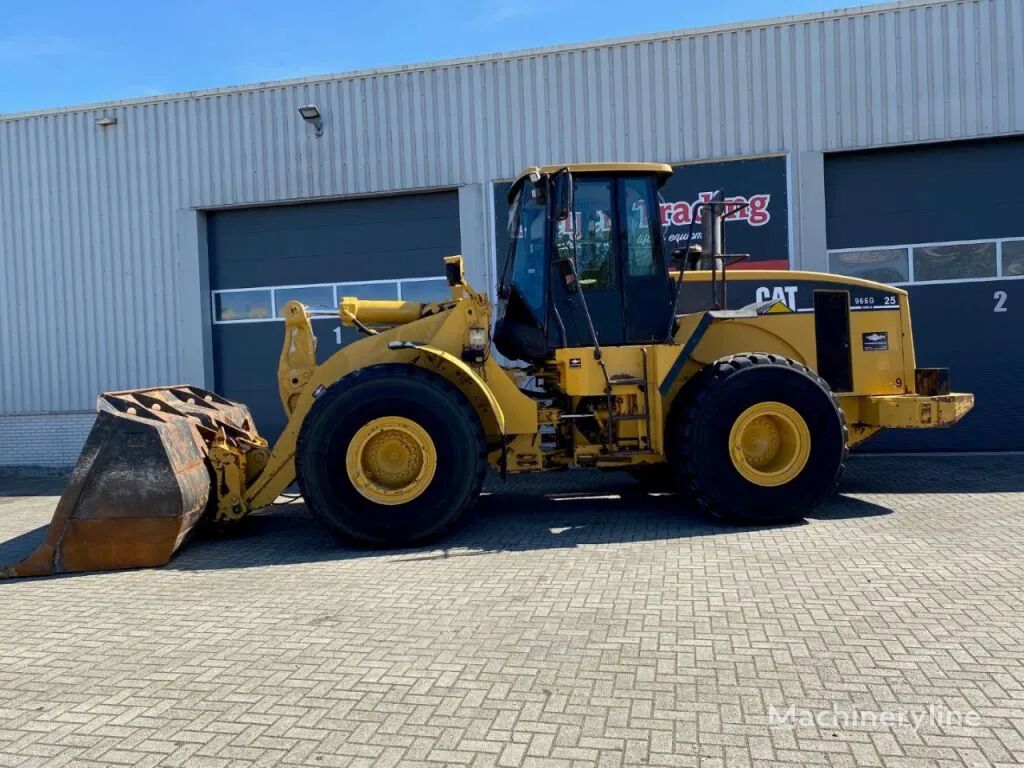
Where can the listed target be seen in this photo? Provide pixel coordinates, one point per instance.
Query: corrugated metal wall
(94, 282)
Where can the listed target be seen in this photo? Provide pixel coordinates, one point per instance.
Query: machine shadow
(21, 546)
(15, 485)
(504, 520)
(562, 510)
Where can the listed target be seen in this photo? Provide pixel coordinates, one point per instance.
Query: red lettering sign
(753, 210)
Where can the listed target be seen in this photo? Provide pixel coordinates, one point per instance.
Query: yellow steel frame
(433, 336)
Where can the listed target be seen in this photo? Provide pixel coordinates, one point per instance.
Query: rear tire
(758, 439)
(343, 470)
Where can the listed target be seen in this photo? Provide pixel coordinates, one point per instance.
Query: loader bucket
(141, 483)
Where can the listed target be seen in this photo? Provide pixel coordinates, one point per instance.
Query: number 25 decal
(1000, 297)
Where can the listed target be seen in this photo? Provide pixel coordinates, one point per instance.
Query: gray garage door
(260, 258)
(944, 221)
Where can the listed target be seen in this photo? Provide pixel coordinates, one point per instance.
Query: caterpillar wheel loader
(749, 386)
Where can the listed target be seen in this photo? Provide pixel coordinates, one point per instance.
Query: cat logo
(784, 293)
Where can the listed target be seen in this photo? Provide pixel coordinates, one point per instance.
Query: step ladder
(614, 419)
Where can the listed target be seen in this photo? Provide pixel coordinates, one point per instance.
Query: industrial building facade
(154, 241)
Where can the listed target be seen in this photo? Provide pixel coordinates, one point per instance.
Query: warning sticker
(876, 341)
(575, 362)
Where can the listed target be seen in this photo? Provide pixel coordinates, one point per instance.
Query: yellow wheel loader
(749, 386)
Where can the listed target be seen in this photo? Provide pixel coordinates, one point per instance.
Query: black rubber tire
(698, 438)
(390, 390)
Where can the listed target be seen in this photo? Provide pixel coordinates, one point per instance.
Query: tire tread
(391, 370)
(696, 393)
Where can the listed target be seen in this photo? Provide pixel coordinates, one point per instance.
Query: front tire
(390, 456)
(758, 439)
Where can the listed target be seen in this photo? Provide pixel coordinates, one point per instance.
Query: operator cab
(586, 259)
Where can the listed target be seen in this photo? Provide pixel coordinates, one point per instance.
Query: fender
(717, 334)
(469, 383)
(302, 381)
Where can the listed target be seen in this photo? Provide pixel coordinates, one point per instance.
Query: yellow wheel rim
(769, 444)
(391, 460)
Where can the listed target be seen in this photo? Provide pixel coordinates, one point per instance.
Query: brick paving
(573, 621)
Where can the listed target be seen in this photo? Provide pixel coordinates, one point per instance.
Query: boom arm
(438, 334)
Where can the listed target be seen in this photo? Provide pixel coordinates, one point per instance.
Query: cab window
(527, 227)
(637, 205)
(587, 234)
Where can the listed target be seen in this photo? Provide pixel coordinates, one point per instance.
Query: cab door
(589, 237)
(646, 291)
(614, 238)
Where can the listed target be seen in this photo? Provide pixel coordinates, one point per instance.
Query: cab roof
(659, 169)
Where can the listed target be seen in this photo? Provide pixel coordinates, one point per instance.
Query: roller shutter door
(260, 258)
(946, 220)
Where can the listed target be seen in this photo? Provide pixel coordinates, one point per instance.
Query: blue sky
(62, 52)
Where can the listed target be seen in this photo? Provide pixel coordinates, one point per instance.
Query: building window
(931, 262)
(1013, 258)
(319, 298)
(954, 262)
(434, 289)
(385, 290)
(883, 265)
(259, 304)
(231, 306)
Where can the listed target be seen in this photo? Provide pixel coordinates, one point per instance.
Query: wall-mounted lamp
(311, 114)
(106, 121)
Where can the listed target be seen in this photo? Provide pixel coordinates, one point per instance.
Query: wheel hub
(391, 460)
(769, 444)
